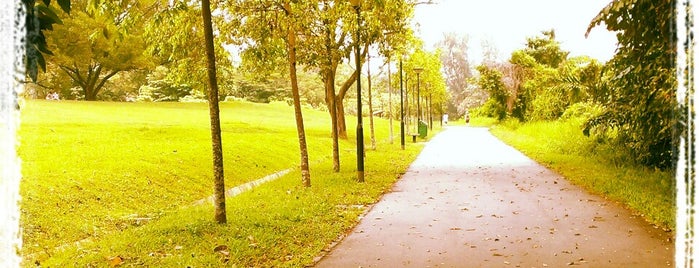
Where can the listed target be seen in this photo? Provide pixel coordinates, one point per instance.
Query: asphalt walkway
(470, 200)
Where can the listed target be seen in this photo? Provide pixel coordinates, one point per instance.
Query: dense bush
(582, 110)
(642, 104)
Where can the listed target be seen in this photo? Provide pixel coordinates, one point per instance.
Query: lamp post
(358, 64)
(418, 70)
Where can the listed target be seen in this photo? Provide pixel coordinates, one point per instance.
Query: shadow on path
(470, 200)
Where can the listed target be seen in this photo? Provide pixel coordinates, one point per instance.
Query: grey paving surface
(470, 200)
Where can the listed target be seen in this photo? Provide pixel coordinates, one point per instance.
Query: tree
(291, 49)
(457, 70)
(491, 80)
(174, 36)
(92, 45)
(38, 18)
(161, 88)
(270, 37)
(546, 50)
(642, 103)
(537, 91)
(325, 44)
(433, 89)
(217, 148)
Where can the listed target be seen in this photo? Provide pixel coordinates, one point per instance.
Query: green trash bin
(422, 129)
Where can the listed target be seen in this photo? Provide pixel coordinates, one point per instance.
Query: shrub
(582, 110)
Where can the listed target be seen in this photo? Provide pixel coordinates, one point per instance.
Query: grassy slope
(92, 169)
(599, 168)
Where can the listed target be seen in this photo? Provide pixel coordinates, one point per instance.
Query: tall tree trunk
(328, 74)
(340, 115)
(339, 98)
(329, 81)
(371, 106)
(291, 39)
(429, 112)
(219, 186)
(390, 104)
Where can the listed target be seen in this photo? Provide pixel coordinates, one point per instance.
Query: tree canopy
(39, 17)
(91, 48)
(641, 102)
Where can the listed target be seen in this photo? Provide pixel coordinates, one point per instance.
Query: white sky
(507, 24)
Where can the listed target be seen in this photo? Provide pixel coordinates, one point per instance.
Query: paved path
(469, 200)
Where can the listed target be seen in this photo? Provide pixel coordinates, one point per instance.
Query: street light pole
(360, 130)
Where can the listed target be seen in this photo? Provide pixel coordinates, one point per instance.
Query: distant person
(52, 96)
(467, 118)
(445, 119)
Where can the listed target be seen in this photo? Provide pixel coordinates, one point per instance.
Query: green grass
(92, 171)
(600, 168)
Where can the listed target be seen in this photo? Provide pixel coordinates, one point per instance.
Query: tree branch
(346, 85)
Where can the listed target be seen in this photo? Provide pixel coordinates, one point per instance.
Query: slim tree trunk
(341, 124)
(340, 115)
(291, 39)
(330, 100)
(390, 105)
(429, 107)
(371, 107)
(219, 187)
(328, 74)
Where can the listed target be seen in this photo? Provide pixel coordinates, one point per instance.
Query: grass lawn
(599, 168)
(120, 179)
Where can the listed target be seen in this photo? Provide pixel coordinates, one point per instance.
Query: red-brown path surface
(470, 200)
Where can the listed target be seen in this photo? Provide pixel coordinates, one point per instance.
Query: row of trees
(630, 100)
(154, 48)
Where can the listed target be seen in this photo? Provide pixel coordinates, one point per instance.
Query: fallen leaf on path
(455, 229)
(592, 226)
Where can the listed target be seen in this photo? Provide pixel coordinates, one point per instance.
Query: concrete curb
(245, 187)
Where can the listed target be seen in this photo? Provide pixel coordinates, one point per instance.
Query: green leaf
(65, 5)
(46, 12)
